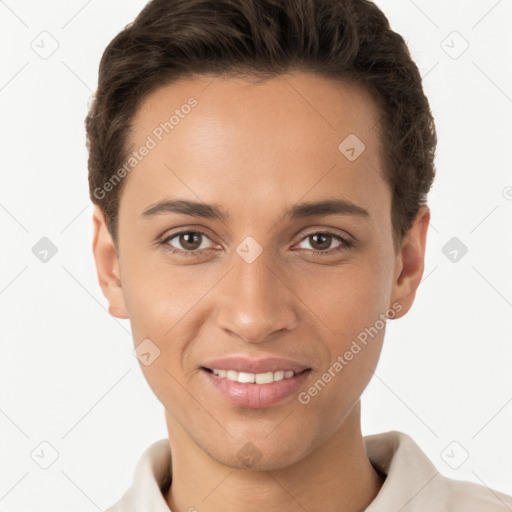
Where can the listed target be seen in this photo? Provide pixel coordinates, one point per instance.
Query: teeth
(258, 378)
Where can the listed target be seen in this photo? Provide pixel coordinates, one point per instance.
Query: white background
(67, 373)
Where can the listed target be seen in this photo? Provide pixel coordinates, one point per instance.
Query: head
(301, 131)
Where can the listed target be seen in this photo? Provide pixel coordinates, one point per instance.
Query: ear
(410, 262)
(107, 265)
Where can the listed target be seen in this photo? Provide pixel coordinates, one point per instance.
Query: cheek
(354, 311)
(158, 295)
(165, 305)
(348, 298)
(351, 302)
(159, 303)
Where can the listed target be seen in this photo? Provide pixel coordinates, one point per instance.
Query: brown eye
(187, 242)
(190, 241)
(322, 243)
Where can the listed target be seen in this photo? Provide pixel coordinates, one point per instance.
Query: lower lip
(256, 395)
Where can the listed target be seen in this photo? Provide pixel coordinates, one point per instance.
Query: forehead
(289, 136)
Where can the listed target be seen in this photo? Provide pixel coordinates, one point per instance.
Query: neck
(335, 476)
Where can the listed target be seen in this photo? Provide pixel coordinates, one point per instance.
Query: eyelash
(346, 243)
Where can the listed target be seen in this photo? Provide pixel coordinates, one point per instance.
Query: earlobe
(410, 262)
(107, 265)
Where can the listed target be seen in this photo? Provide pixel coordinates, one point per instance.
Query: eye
(187, 242)
(321, 241)
(193, 242)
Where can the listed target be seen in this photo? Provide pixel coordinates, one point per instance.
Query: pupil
(188, 244)
(326, 241)
(192, 240)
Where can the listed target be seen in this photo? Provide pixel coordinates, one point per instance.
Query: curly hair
(349, 40)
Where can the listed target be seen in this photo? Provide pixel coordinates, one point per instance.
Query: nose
(256, 301)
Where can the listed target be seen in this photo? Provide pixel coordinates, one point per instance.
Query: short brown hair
(341, 39)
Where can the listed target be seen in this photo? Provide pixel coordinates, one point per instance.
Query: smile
(255, 390)
(257, 378)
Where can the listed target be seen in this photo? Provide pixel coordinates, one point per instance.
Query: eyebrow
(300, 210)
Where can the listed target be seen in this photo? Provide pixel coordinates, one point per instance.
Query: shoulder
(152, 475)
(414, 484)
(125, 504)
(459, 495)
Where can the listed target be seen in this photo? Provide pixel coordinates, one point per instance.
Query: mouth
(254, 378)
(255, 390)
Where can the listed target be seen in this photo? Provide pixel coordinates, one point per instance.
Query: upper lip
(243, 364)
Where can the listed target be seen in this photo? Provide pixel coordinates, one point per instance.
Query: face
(256, 271)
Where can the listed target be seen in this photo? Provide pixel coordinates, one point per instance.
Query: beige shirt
(412, 482)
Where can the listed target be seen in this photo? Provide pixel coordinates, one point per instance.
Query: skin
(256, 150)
